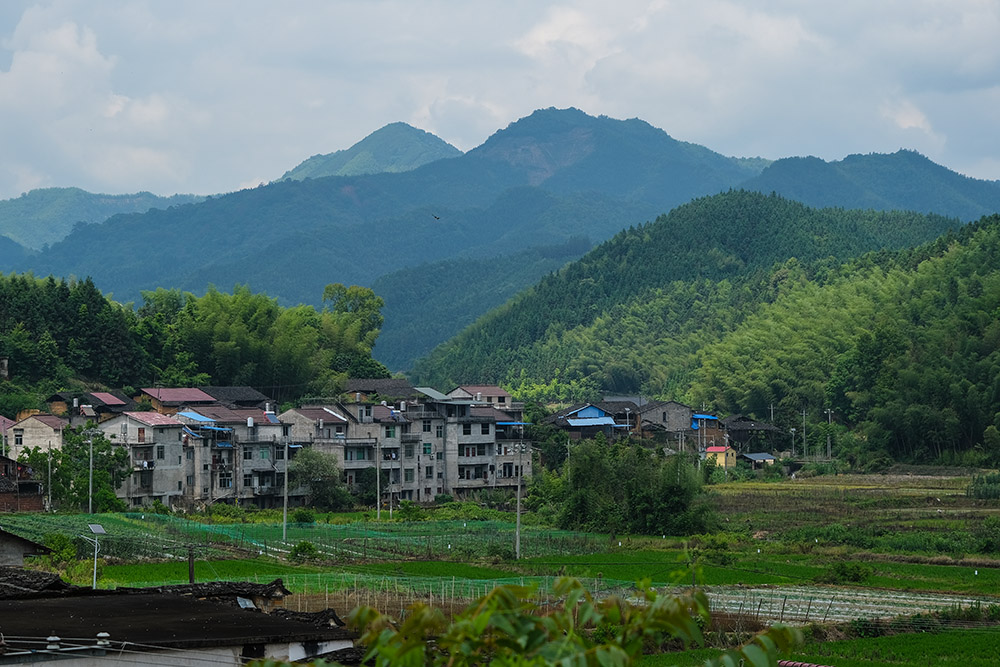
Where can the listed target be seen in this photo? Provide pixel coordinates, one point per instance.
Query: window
(179, 457)
(247, 480)
(429, 472)
(390, 431)
(225, 481)
(440, 456)
(248, 455)
(265, 453)
(204, 467)
(408, 475)
(180, 485)
(485, 429)
(481, 450)
(161, 452)
(427, 426)
(408, 451)
(286, 430)
(160, 431)
(190, 480)
(440, 430)
(466, 429)
(427, 448)
(189, 455)
(279, 453)
(18, 436)
(142, 434)
(501, 399)
(180, 436)
(251, 432)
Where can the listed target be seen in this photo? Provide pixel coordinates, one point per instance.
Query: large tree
(71, 470)
(318, 471)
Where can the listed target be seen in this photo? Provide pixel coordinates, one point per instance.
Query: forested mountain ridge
(44, 216)
(423, 320)
(582, 324)
(904, 180)
(548, 177)
(394, 148)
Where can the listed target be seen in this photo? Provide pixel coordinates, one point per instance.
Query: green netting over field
(162, 536)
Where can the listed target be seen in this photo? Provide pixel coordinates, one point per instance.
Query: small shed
(13, 549)
(760, 459)
(724, 456)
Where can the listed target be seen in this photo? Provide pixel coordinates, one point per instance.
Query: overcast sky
(208, 96)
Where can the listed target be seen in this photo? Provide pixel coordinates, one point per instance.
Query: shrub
(410, 511)
(303, 515)
(844, 572)
(302, 552)
(443, 498)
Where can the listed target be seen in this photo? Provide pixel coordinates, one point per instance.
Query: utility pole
(378, 479)
(284, 509)
(793, 442)
(517, 527)
(829, 427)
(805, 445)
(90, 488)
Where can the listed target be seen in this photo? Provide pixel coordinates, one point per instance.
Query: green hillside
(629, 315)
(904, 347)
(394, 148)
(45, 216)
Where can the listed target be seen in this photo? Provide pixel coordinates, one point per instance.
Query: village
(191, 447)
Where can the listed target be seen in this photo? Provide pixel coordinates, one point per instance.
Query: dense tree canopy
(56, 332)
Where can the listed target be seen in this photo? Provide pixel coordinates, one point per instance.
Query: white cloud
(189, 96)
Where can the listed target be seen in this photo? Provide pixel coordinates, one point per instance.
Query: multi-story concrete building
(430, 445)
(157, 454)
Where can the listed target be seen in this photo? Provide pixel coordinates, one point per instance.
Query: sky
(211, 96)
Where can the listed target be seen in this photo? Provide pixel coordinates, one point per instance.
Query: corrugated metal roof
(592, 421)
(762, 456)
(195, 416)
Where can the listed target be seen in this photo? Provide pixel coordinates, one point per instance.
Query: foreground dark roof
(17, 582)
(157, 619)
(219, 589)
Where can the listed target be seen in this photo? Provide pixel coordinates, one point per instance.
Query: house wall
(34, 433)
(24, 502)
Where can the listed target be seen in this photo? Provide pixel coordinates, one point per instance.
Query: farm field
(812, 550)
(977, 647)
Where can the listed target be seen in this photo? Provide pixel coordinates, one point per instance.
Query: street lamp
(96, 529)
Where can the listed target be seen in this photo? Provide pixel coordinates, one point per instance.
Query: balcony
(410, 438)
(143, 464)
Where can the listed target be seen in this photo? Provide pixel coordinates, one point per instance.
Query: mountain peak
(395, 148)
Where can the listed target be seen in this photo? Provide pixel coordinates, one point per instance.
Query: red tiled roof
(717, 448)
(178, 395)
(5, 423)
(107, 399)
(154, 419)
